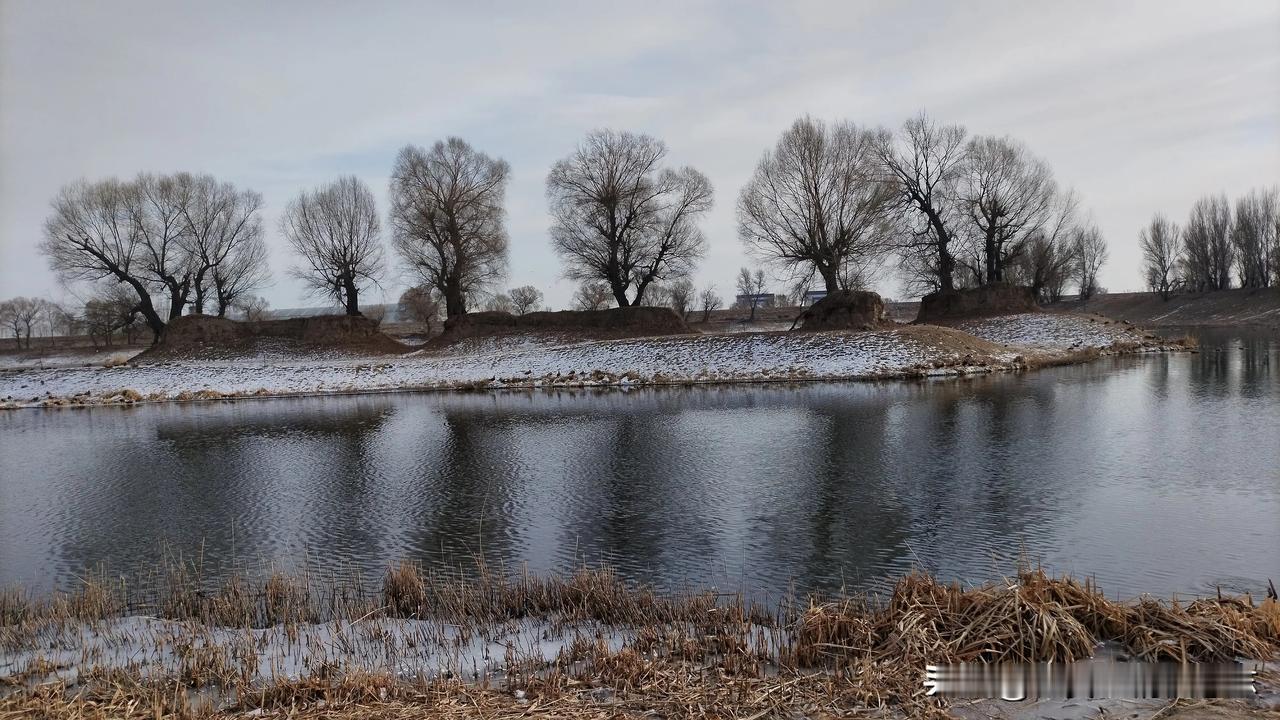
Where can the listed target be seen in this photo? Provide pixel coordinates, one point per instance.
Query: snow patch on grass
(515, 362)
(1052, 331)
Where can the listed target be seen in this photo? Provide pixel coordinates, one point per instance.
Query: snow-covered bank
(1012, 342)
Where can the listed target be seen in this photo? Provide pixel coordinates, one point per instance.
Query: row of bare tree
(832, 203)
(1202, 254)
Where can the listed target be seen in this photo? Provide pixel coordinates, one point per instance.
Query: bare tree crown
(621, 218)
(336, 234)
(1005, 195)
(924, 162)
(816, 202)
(447, 218)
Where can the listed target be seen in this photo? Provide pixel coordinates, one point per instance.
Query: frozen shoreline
(994, 344)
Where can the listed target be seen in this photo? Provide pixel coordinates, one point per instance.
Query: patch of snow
(1058, 331)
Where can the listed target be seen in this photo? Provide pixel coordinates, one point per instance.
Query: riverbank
(1256, 307)
(479, 643)
(1008, 343)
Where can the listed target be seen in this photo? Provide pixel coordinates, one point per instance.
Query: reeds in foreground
(479, 643)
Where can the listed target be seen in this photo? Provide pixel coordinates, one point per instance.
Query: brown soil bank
(994, 299)
(204, 336)
(1260, 307)
(846, 310)
(578, 324)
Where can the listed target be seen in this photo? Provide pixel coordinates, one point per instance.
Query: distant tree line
(1216, 247)
(830, 204)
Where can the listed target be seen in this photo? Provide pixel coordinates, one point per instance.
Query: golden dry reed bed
(474, 644)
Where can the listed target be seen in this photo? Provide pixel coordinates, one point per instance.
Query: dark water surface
(1155, 474)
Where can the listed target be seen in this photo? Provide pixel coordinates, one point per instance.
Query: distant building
(811, 297)
(762, 300)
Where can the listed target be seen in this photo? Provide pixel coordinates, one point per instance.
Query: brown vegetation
(620, 322)
(201, 335)
(983, 301)
(680, 654)
(846, 310)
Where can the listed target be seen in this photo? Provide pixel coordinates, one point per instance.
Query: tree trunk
(145, 306)
(830, 278)
(453, 306)
(992, 252)
(198, 305)
(946, 268)
(455, 303)
(178, 293)
(620, 294)
(352, 295)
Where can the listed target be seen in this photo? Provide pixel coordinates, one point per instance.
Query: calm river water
(1154, 474)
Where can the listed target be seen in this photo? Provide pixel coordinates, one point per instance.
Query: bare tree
(447, 218)
(1273, 253)
(1254, 236)
(9, 320)
(1006, 195)
(1161, 255)
(1047, 263)
(1089, 249)
(525, 299)
(419, 304)
(656, 296)
(751, 286)
(63, 320)
(1206, 239)
(334, 230)
(620, 218)
(681, 296)
(112, 309)
(91, 235)
(223, 238)
(710, 302)
(592, 296)
(1047, 266)
(923, 165)
(499, 302)
(816, 203)
(252, 308)
(242, 272)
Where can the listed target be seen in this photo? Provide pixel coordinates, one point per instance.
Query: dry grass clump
(15, 606)
(1207, 631)
(843, 630)
(588, 594)
(403, 590)
(1035, 618)
(929, 621)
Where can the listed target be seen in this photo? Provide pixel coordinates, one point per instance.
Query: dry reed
(624, 650)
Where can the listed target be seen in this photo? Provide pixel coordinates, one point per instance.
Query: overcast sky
(1140, 106)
